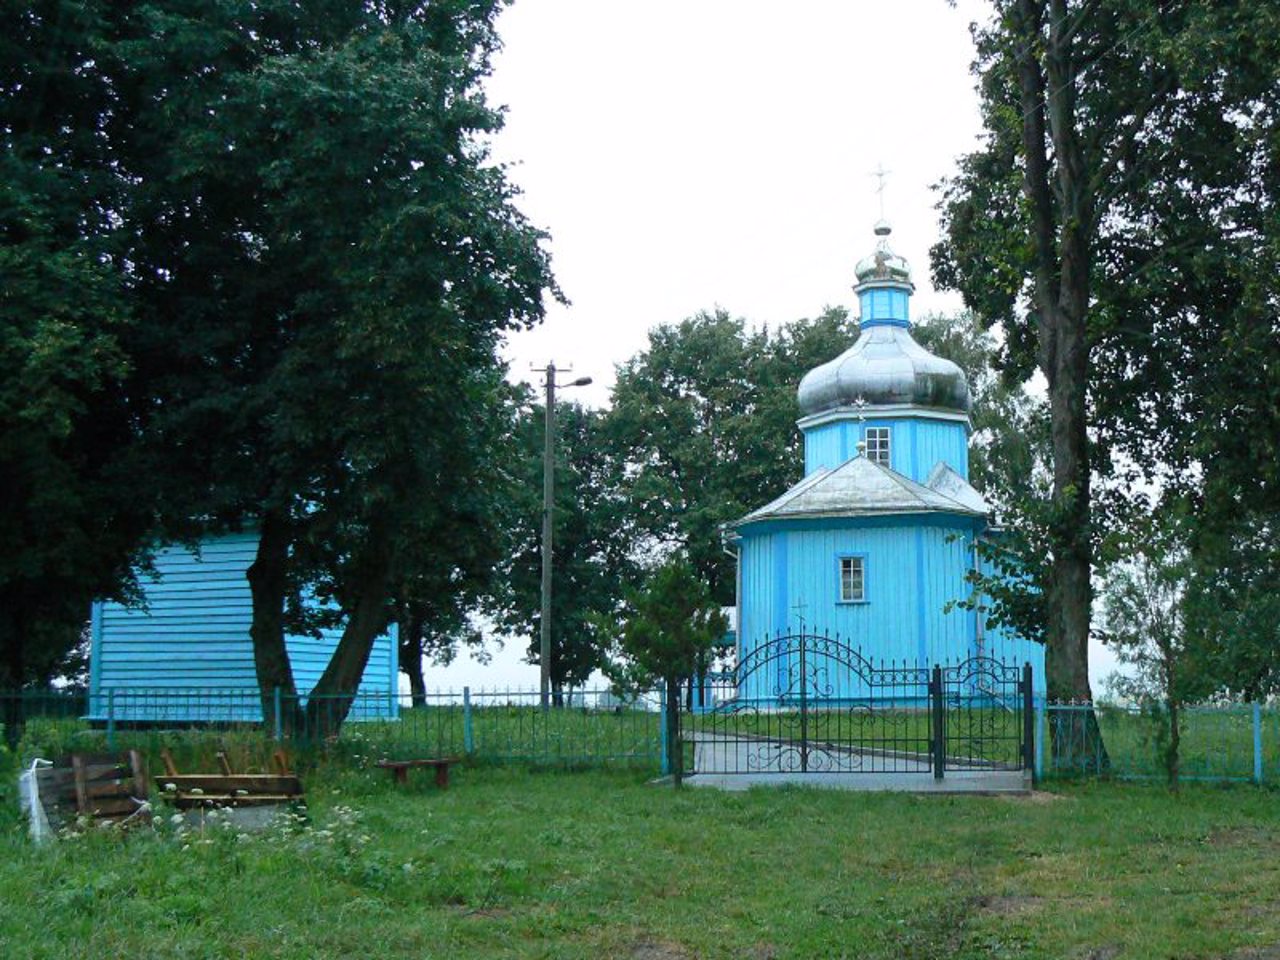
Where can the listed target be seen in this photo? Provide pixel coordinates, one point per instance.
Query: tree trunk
(1062, 234)
(12, 670)
(411, 657)
(334, 694)
(268, 577)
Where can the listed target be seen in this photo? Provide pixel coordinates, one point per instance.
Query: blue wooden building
(875, 542)
(185, 654)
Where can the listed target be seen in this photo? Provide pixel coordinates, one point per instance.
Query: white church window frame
(878, 441)
(851, 577)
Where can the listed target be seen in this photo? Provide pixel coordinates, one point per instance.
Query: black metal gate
(811, 703)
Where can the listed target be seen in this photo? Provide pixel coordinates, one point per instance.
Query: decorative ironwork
(805, 702)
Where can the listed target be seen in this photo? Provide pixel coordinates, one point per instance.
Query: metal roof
(885, 365)
(860, 488)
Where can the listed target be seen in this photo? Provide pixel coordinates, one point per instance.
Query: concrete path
(735, 762)
(959, 781)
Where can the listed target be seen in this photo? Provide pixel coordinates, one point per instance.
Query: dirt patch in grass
(658, 950)
(1107, 952)
(1011, 905)
(1249, 835)
(1257, 953)
(1034, 797)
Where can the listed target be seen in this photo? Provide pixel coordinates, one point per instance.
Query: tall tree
(1072, 95)
(1115, 224)
(319, 260)
(79, 493)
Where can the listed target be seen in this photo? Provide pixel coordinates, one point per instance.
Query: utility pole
(548, 508)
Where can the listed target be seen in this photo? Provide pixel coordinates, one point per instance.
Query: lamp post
(548, 506)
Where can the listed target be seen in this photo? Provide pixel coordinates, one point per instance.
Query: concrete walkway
(960, 781)
(737, 762)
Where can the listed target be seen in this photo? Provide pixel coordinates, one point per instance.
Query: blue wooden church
(875, 542)
(184, 654)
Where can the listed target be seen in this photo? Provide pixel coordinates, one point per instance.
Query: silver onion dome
(884, 366)
(884, 264)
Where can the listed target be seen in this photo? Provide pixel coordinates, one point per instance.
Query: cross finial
(799, 608)
(881, 174)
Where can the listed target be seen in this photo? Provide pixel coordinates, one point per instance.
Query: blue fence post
(275, 697)
(468, 735)
(111, 718)
(1257, 743)
(662, 726)
(1042, 711)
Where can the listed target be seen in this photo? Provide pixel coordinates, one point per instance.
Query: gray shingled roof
(860, 487)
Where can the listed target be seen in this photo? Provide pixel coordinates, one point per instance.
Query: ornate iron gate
(811, 703)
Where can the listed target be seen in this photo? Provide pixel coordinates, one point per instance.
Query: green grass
(509, 863)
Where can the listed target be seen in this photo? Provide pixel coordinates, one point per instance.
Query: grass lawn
(510, 863)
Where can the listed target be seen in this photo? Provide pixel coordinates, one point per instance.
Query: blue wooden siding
(916, 444)
(915, 566)
(883, 305)
(190, 641)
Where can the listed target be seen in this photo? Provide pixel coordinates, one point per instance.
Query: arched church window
(878, 445)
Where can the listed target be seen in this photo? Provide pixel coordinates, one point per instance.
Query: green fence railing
(1230, 742)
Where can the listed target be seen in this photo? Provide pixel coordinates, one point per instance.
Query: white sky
(689, 154)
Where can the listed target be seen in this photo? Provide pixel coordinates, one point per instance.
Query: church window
(878, 445)
(853, 581)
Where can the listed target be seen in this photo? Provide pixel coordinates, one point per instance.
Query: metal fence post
(111, 718)
(1257, 743)
(662, 727)
(939, 724)
(275, 697)
(468, 734)
(1042, 715)
(1028, 722)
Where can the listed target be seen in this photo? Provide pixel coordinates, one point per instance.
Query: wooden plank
(82, 790)
(185, 801)
(219, 783)
(100, 759)
(138, 767)
(170, 768)
(111, 788)
(281, 762)
(105, 771)
(223, 764)
(107, 808)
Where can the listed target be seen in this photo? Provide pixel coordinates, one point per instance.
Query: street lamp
(548, 505)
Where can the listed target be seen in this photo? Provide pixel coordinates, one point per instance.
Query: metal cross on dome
(881, 174)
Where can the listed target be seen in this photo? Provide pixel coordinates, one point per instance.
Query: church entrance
(811, 704)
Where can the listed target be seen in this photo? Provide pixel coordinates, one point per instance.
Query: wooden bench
(400, 769)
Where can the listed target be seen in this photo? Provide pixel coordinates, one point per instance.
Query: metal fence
(584, 727)
(1231, 742)
(595, 727)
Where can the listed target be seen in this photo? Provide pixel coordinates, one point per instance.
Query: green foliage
(705, 421)
(262, 262)
(1156, 123)
(671, 624)
(591, 564)
(78, 492)
(1145, 626)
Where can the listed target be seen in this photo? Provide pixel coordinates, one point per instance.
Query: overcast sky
(689, 154)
